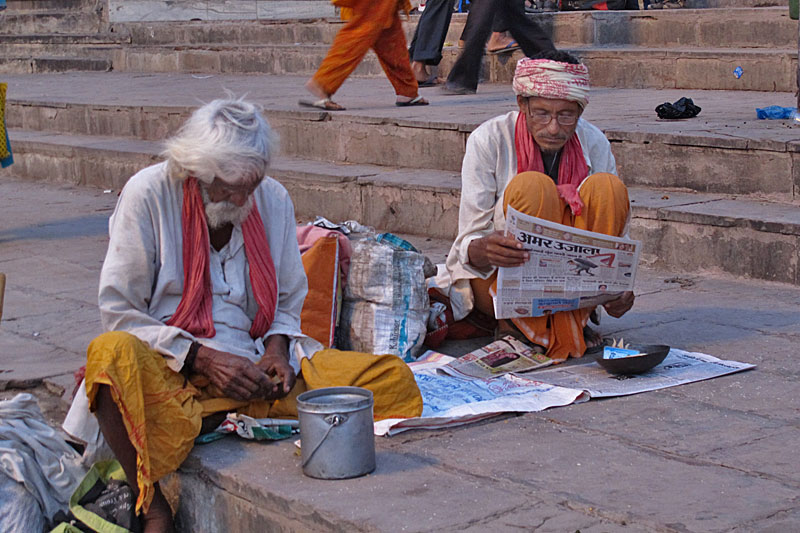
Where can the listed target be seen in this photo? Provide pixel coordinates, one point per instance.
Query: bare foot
(420, 71)
(594, 341)
(316, 90)
(159, 517)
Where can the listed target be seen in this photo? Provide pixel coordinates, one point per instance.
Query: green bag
(65, 528)
(100, 471)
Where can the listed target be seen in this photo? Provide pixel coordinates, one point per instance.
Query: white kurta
(489, 164)
(141, 283)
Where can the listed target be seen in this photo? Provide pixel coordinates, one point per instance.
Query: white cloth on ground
(141, 282)
(34, 454)
(489, 164)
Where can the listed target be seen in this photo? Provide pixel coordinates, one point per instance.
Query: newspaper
(449, 401)
(678, 368)
(500, 357)
(568, 268)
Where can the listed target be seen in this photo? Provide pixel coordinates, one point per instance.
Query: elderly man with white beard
(200, 294)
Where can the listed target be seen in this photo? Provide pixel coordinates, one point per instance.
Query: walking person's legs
(464, 76)
(429, 37)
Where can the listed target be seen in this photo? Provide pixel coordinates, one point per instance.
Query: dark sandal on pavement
(416, 101)
(433, 81)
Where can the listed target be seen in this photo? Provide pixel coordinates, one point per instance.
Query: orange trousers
(163, 412)
(374, 24)
(605, 210)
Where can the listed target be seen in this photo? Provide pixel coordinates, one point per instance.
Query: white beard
(219, 214)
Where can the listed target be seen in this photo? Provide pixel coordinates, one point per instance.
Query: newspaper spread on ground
(568, 268)
(500, 357)
(450, 401)
(678, 368)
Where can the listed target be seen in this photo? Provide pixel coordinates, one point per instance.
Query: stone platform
(707, 457)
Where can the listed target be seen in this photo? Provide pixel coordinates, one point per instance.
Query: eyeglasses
(544, 118)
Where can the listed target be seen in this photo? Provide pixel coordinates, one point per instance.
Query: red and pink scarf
(572, 169)
(194, 311)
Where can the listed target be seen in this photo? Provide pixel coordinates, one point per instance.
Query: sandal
(416, 101)
(510, 47)
(326, 103)
(432, 81)
(507, 328)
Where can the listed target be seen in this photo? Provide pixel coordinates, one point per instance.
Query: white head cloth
(552, 79)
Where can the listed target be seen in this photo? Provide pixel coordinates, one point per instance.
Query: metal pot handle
(333, 421)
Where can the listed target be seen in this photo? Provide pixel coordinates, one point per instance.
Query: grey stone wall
(164, 10)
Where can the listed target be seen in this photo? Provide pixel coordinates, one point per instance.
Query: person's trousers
(529, 35)
(163, 411)
(499, 23)
(605, 210)
(431, 32)
(376, 25)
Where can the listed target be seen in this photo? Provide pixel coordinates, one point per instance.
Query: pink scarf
(194, 311)
(571, 171)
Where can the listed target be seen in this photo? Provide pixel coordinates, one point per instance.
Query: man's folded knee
(603, 180)
(119, 343)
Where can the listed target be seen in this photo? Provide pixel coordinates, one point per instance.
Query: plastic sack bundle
(385, 307)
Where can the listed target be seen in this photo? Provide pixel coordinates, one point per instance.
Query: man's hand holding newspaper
(566, 268)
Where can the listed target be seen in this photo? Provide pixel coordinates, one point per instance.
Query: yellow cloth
(163, 412)
(606, 208)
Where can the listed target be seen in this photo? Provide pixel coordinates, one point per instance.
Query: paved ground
(712, 456)
(729, 113)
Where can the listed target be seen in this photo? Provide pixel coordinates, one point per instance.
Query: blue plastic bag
(775, 112)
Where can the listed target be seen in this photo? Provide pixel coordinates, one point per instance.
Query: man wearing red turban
(545, 161)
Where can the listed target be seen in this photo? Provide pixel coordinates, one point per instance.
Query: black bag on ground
(683, 108)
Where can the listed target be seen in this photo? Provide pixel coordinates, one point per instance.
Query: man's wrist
(191, 357)
(277, 345)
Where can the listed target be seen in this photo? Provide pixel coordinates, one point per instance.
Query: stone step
(681, 231)
(22, 6)
(44, 64)
(58, 22)
(724, 150)
(716, 28)
(624, 66)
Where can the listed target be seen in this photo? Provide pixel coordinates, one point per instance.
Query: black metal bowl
(652, 355)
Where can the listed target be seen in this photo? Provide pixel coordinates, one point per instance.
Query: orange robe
(606, 209)
(373, 24)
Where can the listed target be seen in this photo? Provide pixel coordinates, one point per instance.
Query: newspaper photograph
(449, 401)
(568, 268)
(678, 368)
(500, 357)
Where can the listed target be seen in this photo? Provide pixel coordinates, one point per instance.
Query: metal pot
(337, 432)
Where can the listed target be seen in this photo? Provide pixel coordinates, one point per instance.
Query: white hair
(227, 139)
